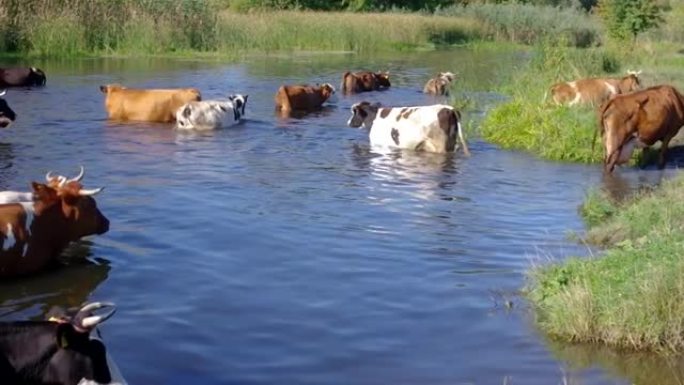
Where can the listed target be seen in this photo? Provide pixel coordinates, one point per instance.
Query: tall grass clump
(270, 31)
(529, 24)
(72, 27)
(529, 121)
(631, 297)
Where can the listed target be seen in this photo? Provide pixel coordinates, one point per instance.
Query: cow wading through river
(640, 119)
(61, 351)
(421, 128)
(33, 234)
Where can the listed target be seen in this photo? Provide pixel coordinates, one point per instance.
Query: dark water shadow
(52, 291)
(621, 187)
(637, 368)
(6, 163)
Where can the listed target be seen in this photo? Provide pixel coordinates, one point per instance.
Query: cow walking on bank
(640, 119)
(424, 128)
(594, 91)
(61, 351)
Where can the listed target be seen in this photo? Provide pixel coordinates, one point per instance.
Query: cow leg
(663, 151)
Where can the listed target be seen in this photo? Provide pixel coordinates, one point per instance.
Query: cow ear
(103, 89)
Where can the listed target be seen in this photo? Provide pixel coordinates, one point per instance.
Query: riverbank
(189, 28)
(632, 296)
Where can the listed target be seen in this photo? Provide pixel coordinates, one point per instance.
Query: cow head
(631, 82)
(382, 79)
(328, 92)
(239, 104)
(37, 77)
(109, 88)
(7, 115)
(448, 77)
(363, 114)
(80, 210)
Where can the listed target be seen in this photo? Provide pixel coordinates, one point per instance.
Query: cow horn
(49, 176)
(87, 193)
(78, 177)
(3, 92)
(90, 321)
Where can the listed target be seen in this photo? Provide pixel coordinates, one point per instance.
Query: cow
(7, 115)
(33, 234)
(439, 85)
(290, 98)
(594, 91)
(53, 181)
(146, 105)
(639, 119)
(423, 128)
(353, 82)
(22, 77)
(58, 351)
(211, 114)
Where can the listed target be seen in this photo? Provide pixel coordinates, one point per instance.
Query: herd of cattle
(36, 226)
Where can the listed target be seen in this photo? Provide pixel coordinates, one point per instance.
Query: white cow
(211, 114)
(427, 128)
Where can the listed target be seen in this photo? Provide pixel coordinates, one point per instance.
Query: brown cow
(640, 119)
(147, 105)
(439, 85)
(594, 91)
(302, 97)
(364, 81)
(33, 234)
(22, 77)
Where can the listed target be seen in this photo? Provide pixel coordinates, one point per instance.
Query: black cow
(7, 115)
(57, 352)
(21, 77)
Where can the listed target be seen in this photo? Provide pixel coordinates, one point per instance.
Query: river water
(286, 251)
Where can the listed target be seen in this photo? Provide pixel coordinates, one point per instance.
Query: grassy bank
(633, 296)
(190, 27)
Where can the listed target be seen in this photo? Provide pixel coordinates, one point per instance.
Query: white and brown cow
(439, 85)
(33, 234)
(640, 119)
(421, 128)
(594, 91)
(211, 114)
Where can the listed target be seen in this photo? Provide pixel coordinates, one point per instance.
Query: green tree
(628, 18)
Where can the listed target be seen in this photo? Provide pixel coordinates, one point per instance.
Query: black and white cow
(211, 114)
(421, 128)
(58, 352)
(7, 115)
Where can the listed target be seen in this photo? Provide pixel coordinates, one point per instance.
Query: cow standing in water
(33, 234)
(61, 351)
(425, 128)
(595, 90)
(146, 105)
(7, 115)
(364, 81)
(291, 98)
(638, 120)
(439, 85)
(21, 77)
(211, 114)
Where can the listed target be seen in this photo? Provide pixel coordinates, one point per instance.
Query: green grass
(633, 296)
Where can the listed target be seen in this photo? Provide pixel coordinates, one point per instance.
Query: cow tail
(601, 126)
(343, 86)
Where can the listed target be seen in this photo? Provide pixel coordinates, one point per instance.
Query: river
(287, 251)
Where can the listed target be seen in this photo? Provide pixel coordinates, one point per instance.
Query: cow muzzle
(103, 225)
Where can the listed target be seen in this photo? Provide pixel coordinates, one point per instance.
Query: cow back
(154, 105)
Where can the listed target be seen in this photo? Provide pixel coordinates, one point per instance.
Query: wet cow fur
(424, 128)
(290, 98)
(640, 119)
(33, 234)
(439, 85)
(63, 352)
(594, 91)
(21, 77)
(146, 105)
(211, 114)
(354, 82)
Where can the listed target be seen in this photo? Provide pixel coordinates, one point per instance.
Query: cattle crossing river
(286, 251)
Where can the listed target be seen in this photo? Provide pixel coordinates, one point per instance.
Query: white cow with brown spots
(421, 128)
(594, 91)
